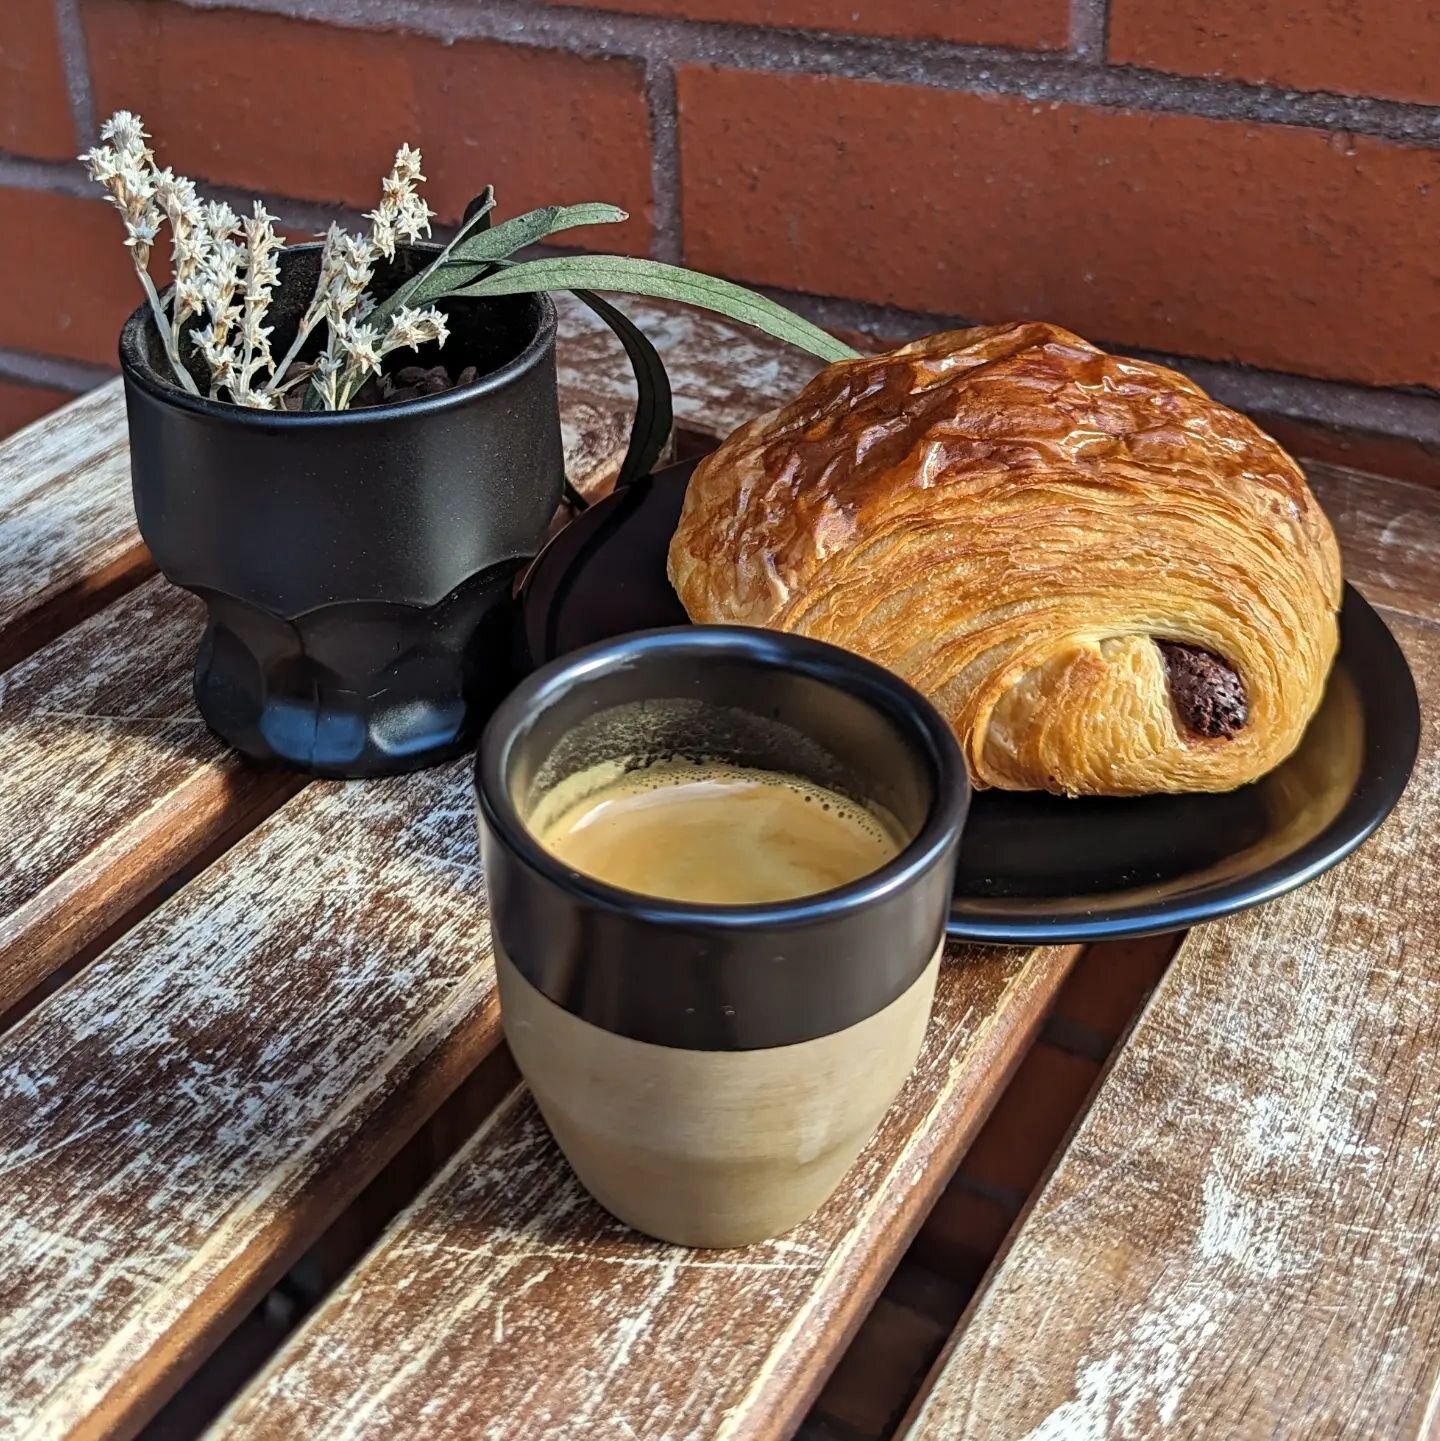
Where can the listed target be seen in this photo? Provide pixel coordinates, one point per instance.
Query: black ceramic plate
(1038, 867)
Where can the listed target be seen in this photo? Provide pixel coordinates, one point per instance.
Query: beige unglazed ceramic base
(711, 1148)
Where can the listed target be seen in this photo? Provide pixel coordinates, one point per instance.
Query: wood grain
(67, 529)
(189, 1112)
(108, 779)
(181, 1119)
(1389, 536)
(505, 1303)
(184, 1117)
(1243, 1238)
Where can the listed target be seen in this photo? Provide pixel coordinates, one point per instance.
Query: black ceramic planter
(357, 566)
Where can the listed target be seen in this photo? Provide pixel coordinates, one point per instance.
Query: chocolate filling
(1209, 695)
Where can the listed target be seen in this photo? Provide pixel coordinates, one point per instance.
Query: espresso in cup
(719, 864)
(703, 830)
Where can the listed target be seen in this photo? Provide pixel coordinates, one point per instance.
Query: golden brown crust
(1010, 519)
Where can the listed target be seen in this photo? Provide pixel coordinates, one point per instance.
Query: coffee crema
(712, 833)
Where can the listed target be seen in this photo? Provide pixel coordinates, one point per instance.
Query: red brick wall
(1251, 186)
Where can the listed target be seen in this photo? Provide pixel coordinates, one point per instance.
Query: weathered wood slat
(67, 530)
(505, 1303)
(1390, 534)
(108, 779)
(184, 1118)
(188, 1113)
(1243, 1238)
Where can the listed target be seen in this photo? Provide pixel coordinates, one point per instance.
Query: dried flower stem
(125, 166)
(168, 333)
(315, 312)
(298, 375)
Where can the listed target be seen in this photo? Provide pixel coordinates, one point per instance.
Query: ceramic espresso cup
(712, 1071)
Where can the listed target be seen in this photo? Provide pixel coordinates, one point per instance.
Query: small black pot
(357, 566)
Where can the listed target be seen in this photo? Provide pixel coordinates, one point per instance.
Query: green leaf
(664, 282)
(477, 212)
(479, 253)
(470, 255)
(654, 416)
(522, 230)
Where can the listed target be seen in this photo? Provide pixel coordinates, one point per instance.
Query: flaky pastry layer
(1010, 518)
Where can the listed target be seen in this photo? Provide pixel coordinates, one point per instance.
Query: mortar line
(967, 69)
(52, 371)
(664, 160)
(63, 177)
(66, 177)
(75, 57)
(1089, 30)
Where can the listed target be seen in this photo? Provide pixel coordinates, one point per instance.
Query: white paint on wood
(65, 509)
(1243, 1238)
(505, 1304)
(93, 730)
(168, 1116)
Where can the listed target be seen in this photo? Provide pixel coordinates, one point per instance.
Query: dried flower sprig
(262, 275)
(125, 166)
(226, 271)
(402, 214)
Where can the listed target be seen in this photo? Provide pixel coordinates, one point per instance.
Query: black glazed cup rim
(830, 665)
(137, 367)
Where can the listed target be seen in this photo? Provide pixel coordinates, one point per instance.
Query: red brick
(1016, 1145)
(1029, 24)
(1385, 48)
(20, 404)
(34, 102)
(66, 257)
(315, 112)
(1284, 247)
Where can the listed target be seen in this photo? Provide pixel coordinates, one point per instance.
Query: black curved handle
(654, 411)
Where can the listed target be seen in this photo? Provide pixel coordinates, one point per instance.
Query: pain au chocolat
(1109, 583)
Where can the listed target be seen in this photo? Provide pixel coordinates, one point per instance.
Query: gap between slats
(346, 1242)
(75, 922)
(978, 1216)
(76, 603)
